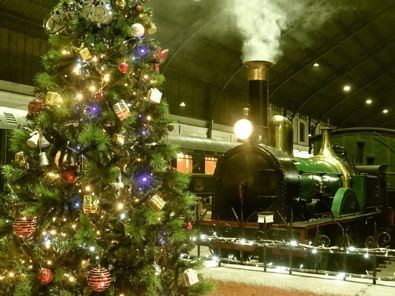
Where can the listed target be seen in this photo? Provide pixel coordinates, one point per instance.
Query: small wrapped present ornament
(85, 54)
(121, 110)
(154, 95)
(53, 98)
(155, 67)
(91, 204)
(190, 277)
(156, 202)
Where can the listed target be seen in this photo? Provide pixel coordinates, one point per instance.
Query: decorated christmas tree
(93, 206)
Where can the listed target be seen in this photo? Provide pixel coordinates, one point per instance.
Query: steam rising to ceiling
(262, 22)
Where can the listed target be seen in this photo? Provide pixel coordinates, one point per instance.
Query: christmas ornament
(119, 139)
(138, 7)
(37, 140)
(123, 67)
(85, 54)
(51, 177)
(152, 29)
(190, 277)
(137, 30)
(85, 263)
(35, 107)
(21, 160)
(121, 110)
(155, 67)
(121, 3)
(99, 96)
(65, 159)
(91, 204)
(99, 279)
(24, 226)
(161, 55)
(157, 269)
(98, 11)
(45, 276)
(69, 176)
(57, 20)
(43, 160)
(53, 99)
(189, 225)
(154, 95)
(156, 202)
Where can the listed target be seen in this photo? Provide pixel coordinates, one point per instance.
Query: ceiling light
(347, 88)
(369, 101)
(182, 104)
(385, 111)
(316, 64)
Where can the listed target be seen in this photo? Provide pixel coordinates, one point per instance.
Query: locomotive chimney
(258, 82)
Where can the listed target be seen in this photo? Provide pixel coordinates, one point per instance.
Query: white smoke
(262, 22)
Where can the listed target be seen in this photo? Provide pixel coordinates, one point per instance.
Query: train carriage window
(184, 163)
(209, 165)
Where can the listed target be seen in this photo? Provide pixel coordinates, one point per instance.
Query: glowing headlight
(243, 129)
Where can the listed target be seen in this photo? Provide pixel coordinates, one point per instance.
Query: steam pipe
(258, 82)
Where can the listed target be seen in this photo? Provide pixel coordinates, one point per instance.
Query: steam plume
(261, 23)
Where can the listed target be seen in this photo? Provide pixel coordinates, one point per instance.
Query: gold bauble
(121, 3)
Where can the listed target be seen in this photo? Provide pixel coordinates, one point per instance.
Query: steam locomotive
(261, 186)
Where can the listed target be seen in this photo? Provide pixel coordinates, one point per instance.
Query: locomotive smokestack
(258, 81)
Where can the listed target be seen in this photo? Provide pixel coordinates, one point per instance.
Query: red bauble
(188, 225)
(69, 176)
(45, 276)
(123, 67)
(24, 226)
(99, 96)
(99, 279)
(138, 8)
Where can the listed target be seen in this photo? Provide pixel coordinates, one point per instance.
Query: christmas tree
(93, 207)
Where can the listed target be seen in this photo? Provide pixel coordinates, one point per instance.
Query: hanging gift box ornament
(156, 202)
(99, 96)
(35, 107)
(43, 159)
(190, 277)
(155, 67)
(137, 30)
(99, 279)
(37, 140)
(154, 95)
(45, 276)
(85, 54)
(24, 226)
(121, 110)
(91, 204)
(53, 99)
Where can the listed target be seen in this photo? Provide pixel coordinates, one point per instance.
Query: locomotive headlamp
(243, 129)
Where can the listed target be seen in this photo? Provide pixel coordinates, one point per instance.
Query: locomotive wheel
(383, 239)
(323, 240)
